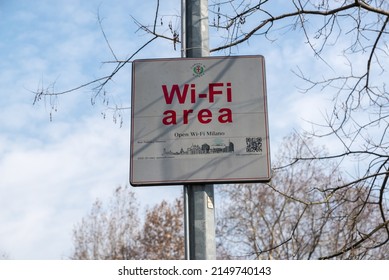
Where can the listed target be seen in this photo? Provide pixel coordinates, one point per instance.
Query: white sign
(199, 120)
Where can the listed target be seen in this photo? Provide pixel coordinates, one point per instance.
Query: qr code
(254, 144)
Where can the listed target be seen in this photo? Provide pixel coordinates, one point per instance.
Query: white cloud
(45, 182)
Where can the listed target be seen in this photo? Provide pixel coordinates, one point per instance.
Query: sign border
(263, 179)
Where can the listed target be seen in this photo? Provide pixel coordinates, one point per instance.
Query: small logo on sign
(198, 69)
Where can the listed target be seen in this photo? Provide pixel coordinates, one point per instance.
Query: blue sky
(52, 171)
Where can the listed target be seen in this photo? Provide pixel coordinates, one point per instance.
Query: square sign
(199, 120)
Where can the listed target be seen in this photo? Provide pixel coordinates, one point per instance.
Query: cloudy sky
(58, 156)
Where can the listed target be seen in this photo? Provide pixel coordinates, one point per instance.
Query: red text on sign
(188, 93)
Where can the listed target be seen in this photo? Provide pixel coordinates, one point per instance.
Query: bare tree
(109, 232)
(300, 215)
(162, 236)
(115, 232)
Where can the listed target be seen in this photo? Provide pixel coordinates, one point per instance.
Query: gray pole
(196, 28)
(201, 218)
(199, 199)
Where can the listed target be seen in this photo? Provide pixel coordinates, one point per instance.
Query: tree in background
(162, 237)
(109, 232)
(301, 214)
(116, 233)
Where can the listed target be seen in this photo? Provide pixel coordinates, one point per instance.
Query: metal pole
(202, 245)
(196, 28)
(199, 199)
(186, 198)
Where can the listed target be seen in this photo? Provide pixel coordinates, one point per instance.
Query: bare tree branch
(357, 243)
